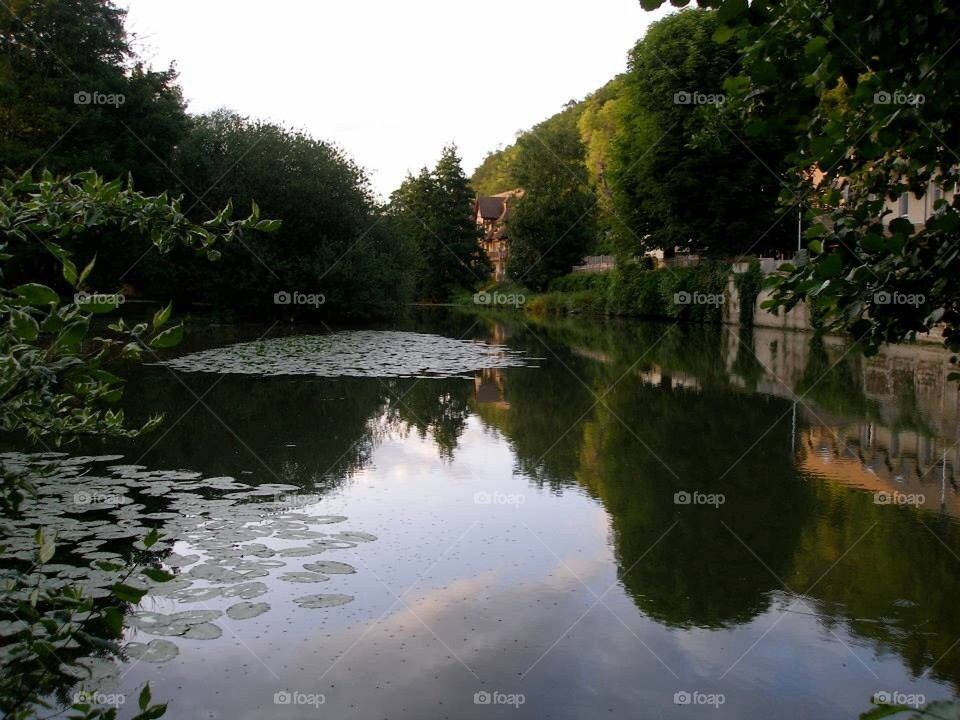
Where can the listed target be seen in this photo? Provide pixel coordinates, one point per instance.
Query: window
(904, 204)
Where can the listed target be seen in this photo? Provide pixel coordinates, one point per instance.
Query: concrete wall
(796, 319)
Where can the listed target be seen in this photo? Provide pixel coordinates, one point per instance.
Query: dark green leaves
(37, 295)
(168, 338)
(731, 10)
(128, 593)
(23, 325)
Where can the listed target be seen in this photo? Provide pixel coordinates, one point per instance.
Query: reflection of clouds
(499, 628)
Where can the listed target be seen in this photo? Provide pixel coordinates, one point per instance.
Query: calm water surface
(643, 515)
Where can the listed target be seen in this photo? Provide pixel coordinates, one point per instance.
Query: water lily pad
(203, 631)
(177, 560)
(354, 537)
(246, 610)
(194, 617)
(323, 601)
(196, 594)
(247, 591)
(305, 551)
(330, 567)
(214, 573)
(304, 577)
(155, 651)
(324, 519)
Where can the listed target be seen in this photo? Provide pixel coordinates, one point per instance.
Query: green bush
(567, 303)
(578, 282)
(635, 291)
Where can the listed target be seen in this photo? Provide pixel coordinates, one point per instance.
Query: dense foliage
(867, 93)
(647, 162)
(57, 384)
(333, 241)
(689, 294)
(434, 211)
(552, 225)
(73, 96)
(683, 176)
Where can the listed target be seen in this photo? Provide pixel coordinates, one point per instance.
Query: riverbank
(709, 293)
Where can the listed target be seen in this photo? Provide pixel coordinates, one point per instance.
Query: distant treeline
(74, 96)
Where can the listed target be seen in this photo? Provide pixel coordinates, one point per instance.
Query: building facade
(491, 213)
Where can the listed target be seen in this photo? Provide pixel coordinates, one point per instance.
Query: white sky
(391, 81)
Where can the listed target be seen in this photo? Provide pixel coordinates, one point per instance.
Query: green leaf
(37, 295)
(268, 226)
(815, 47)
(153, 713)
(161, 316)
(730, 10)
(23, 325)
(113, 619)
(158, 575)
(723, 33)
(69, 272)
(128, 593)
(830, 266)
(151, 538)
(86, 271)
(144, 700)
(72, 335)
(168, 338)
(48, 549)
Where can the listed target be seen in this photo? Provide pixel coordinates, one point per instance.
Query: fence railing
(596, 263)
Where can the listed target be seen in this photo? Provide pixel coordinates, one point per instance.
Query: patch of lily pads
(219, 536)
(355, 353)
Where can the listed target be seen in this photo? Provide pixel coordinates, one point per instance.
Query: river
(491, 517)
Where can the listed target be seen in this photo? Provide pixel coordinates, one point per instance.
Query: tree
(434, 211)
(685, 177)
(73, 96)
(600, 127)
(334, 241)
(552, 226)
(495, 173)
(868, 93)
